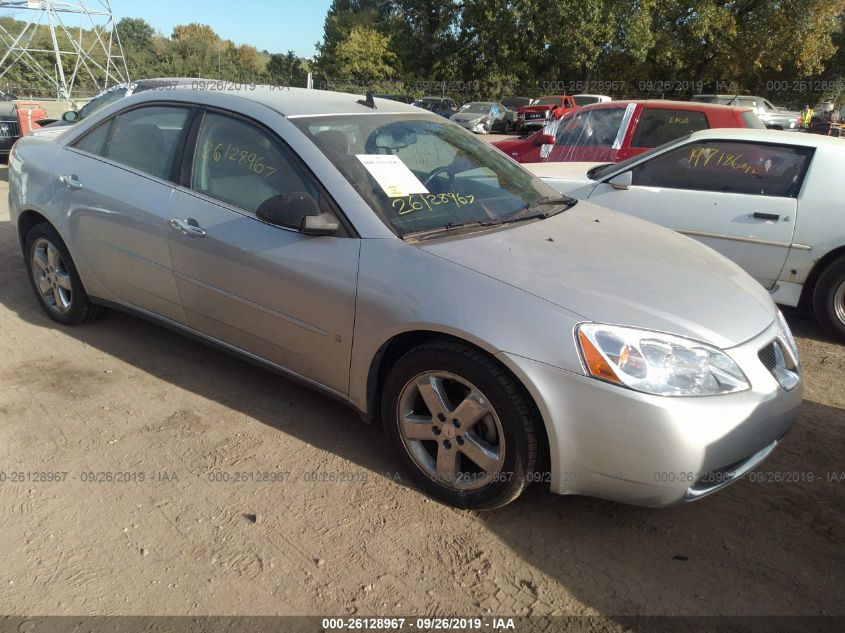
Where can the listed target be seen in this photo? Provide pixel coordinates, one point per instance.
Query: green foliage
(636, 47)
(286, 70)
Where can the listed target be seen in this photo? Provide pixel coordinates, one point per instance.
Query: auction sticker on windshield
(392, 175)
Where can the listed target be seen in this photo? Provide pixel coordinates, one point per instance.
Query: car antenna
(369, 101)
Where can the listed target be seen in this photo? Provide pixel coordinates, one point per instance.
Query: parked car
(399, 98)
(481, 117)
(444, 106)
(10, 129)
(403, 266)
(768, 201)
(616, 130)
(541, 111)
(771, 115)
(582, 100)
(110, 95)
(512, 105)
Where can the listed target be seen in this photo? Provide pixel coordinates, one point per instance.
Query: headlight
(657, 363)
(787, 334)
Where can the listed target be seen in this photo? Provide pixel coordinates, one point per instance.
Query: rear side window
(95, 141)
(658, 126)
(728, 167)
(146, 139)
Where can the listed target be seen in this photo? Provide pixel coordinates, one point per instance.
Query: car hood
(463, 117)
(537, 108)
(609, 267)
(568, 178)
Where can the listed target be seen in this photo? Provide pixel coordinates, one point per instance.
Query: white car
(586, 99)
(771, 202)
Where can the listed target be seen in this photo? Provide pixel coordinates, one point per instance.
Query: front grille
(768, 356)
(535, 115)
(10, 128)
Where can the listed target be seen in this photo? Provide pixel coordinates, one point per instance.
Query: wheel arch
(400, 344)
(816, 271)
(26, 220)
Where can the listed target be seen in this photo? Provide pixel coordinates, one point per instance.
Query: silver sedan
(502, 333)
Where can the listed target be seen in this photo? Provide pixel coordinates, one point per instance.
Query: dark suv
(444, 106)
(10, 129)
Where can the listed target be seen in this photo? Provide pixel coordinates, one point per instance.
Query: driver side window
(239, 163)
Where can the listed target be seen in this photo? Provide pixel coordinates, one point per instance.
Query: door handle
(765, 216)
(188, 227)
(71, 182)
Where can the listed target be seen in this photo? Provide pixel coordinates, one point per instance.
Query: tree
(285, 70)
(365, 55)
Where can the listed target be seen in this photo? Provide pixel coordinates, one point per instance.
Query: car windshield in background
(421, 174)
(591, 128)
(98, 103)
(428, 105)
(550, 101)
(476, 108)
(582, 101)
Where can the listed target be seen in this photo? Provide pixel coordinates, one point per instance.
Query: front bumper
(618, 444)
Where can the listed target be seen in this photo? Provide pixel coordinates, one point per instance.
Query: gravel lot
(122, 395)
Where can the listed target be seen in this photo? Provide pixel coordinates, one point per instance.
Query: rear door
(115, 186)
(740, 198)
(274, 292)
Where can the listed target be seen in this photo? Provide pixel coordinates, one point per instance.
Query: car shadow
(616, 559)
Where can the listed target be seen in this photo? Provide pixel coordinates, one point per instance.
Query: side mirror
(622, 182)
(297, 210)
(544, 139)
(70, 116)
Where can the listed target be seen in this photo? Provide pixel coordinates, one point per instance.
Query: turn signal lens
(596, 364)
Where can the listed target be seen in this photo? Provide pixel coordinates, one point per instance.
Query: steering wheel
(437, 171)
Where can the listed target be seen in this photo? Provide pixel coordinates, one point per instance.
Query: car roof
(767, 136)
(300, 102)
(663, 103)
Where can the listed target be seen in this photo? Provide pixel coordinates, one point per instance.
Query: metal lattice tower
(100, 58)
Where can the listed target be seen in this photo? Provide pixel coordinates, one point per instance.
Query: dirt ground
(124, 396)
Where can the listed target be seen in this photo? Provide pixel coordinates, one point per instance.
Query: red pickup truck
(613, 131)
(543, 110)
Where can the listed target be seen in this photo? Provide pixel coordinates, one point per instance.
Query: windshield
(597, 127)
(98, 103)
(421, 173)
(582, 101)
(476, 108)
(428, 105)
(600, 171)
(552, 101)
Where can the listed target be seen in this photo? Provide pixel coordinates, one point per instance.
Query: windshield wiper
(520, 215)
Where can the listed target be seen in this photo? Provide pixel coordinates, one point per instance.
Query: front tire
(460, 424)
(829, 299)
(54, 278)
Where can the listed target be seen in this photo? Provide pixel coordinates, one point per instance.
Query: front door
(739, 198)
(274, 292)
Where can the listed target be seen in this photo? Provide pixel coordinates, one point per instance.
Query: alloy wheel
(51, 276)
(451, 430)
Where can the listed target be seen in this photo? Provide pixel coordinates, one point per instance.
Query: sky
(273, 25)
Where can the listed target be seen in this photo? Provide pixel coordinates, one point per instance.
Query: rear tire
(54, 278)
(460, 424)
(829, 299)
